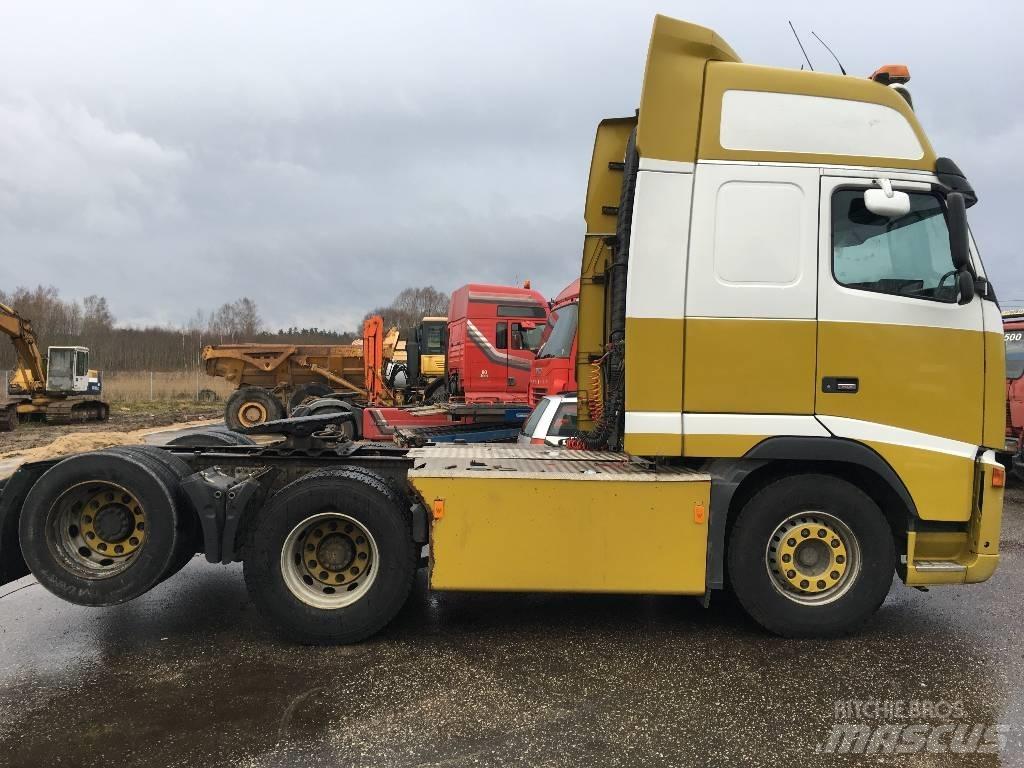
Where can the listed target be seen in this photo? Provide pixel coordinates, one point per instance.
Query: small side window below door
(906, 256)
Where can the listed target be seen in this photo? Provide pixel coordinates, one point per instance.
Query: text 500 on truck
(776, 271)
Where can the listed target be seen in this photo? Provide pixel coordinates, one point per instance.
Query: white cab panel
(753, 247)
(657, 251)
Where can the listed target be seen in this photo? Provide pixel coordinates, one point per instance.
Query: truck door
(750, 308)
(523, 340)
(900, 362)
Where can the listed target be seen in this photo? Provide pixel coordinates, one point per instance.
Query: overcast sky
(319, 157)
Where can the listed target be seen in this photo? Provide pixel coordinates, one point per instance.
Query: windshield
(1014, 353)
(559, 341)
(432, 342)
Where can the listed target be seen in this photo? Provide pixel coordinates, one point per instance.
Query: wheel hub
(114, 523)
(111, 523)
(335, 552)
(809, 555)
(252, 413)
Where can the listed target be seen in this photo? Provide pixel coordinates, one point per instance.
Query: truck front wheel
(811, 556)
(331, 558)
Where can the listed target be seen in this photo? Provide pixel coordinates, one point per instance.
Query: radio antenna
(802, 50)
(830, 51)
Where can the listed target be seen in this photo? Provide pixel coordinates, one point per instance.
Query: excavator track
(76, 411)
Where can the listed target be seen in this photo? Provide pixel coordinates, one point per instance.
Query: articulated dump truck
(776, 271)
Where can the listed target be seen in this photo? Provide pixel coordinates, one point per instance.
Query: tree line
(91, 323)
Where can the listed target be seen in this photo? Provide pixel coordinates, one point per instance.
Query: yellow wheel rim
(112, 523)
(252, 413)
(812, 557)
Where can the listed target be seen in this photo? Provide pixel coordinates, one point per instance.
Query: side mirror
(889, 203)
(959, 241)
(965, 287)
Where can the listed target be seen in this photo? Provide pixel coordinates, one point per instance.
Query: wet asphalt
(187, 675)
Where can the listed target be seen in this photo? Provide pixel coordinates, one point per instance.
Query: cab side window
(501, 336)
(81, 364)
(908, 256)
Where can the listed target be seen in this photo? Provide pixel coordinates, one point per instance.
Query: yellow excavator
(62, 391)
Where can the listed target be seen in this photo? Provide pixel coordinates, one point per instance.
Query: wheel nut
(821, 584)
(834, 575)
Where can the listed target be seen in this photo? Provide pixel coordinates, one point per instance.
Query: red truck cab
(554, 370)
(1013, 331)
(493, 335)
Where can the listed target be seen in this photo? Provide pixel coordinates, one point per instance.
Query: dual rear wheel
(102, 528)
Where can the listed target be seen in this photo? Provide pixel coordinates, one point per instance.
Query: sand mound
(76, 443)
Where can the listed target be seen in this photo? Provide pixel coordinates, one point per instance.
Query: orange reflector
(698, 513)
(536, 441)
(438, 509)
(998, 477)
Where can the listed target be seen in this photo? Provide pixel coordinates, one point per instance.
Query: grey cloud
(321, 156)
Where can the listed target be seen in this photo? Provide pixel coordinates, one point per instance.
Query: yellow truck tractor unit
(792, 386)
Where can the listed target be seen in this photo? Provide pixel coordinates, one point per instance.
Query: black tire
(9, 419)
(333, 405)
(312, 389)
(54, 495)
(263, 402)
(862, 589)
(174, 470)
(210, 439)
(372, 504)
(436, 392)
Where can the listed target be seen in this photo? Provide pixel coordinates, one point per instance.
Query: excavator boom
(30, 362)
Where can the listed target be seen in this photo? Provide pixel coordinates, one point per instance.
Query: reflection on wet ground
(188, 675)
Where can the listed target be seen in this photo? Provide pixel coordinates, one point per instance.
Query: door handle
(842, 385)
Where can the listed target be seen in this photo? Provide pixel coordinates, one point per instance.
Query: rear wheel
(250, 406)
(210, 439)
(9, 419)
(436, 392)
(811, 555)
(100, 528)
(174, 470)
(314, 389)
(332, 557)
